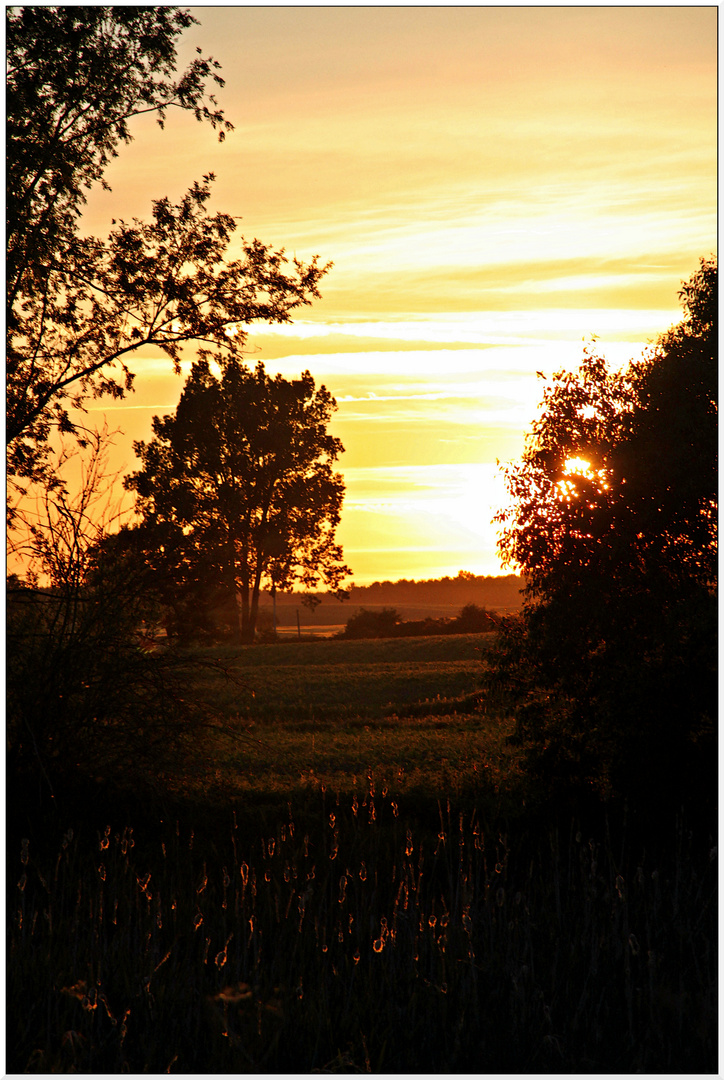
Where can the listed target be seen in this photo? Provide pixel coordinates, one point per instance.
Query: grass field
(298, 715)
(343, 878)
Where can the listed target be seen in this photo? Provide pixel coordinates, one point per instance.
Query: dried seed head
(233, 994)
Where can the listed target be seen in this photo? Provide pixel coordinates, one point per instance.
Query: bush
(387, 623)
(372, 624)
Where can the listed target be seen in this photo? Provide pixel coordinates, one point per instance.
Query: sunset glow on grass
(495, 187)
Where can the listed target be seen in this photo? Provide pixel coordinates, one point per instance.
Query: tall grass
(359, 936)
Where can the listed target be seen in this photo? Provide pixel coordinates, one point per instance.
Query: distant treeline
(466, 588)
(487, 591)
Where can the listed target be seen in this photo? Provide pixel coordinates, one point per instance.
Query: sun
(577, 466)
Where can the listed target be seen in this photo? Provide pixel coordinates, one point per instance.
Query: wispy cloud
(495, 186)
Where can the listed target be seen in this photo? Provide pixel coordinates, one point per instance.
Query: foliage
(372, 624)
(79, 307)
(237, 487)
(611, 670)
(87, 690)
(357, 937)
(75, 78)
(388, 624)
(490, 591)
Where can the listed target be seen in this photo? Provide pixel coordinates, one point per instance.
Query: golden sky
(493, 185)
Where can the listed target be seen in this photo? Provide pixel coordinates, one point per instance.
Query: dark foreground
(371, 933)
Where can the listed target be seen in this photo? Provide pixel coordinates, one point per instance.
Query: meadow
(295, 716)
(344, 877)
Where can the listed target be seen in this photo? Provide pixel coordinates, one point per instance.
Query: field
(302, 714)
(344, 878)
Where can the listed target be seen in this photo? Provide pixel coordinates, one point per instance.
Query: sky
(495, 187)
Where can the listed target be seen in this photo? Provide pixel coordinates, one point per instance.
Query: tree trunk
(247, 626)
(237, 629)
(255, 597)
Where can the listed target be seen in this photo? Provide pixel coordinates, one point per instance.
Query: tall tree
(79, 307)
(75, 77)
(612, 670)
(237, 487)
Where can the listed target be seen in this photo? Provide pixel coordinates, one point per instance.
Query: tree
(611, 669)
(75, 77)
(237, 488)
(81, 693)
(79, 307)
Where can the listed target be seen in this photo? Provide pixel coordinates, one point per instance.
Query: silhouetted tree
(79, 307)
(237, 488)
(80, 691)
(611, 670)
(82, 694)
(372, 624)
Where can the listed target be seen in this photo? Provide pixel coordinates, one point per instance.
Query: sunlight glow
(496, 188)
(577, 465)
